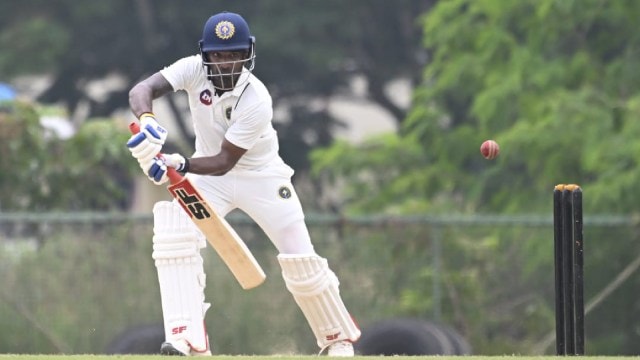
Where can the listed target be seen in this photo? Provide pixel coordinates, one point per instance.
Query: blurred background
(381, 107)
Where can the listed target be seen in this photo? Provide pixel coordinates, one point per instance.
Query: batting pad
(176, 251)
(315, 289)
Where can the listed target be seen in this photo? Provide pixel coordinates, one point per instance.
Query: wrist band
(185, 166)
(146, 114)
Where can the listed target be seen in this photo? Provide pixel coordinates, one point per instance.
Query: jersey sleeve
(183, 73)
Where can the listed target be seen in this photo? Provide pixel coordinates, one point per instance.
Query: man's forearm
(140, 99)
(141, 96)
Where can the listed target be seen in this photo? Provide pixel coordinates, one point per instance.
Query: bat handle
(172, 174)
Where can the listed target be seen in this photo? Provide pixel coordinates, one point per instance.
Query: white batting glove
(155, 132)
(176, 161)
(157, 169)
(146, 144)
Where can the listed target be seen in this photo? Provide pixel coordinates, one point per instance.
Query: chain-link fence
(72, 283)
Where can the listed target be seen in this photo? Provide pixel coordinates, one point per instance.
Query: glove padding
(146, 144)
(156, 168)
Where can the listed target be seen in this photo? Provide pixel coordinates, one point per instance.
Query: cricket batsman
(235, 165)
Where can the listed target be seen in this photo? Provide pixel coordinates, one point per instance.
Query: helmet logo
(225, 30)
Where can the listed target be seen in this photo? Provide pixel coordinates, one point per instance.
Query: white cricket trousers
(268, 197)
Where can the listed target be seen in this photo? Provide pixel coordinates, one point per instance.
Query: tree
(307, 53)
(557, 92)
(44, 173)
(555, 83)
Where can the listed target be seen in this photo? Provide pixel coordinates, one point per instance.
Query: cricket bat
(220, 235)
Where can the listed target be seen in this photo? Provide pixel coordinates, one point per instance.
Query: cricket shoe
(177, 348)
(181, 348)
(342, 348)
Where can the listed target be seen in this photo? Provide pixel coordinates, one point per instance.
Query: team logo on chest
(205, 97)
(227, 113)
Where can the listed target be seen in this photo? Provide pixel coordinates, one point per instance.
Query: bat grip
(172, 174)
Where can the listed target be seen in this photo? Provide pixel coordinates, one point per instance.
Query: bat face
(232, 250)
(190, 200)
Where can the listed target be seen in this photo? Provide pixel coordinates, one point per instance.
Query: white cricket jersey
(242, 116)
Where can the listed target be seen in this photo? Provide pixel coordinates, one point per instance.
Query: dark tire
(410, 337)
(143, 339)
(461, 345)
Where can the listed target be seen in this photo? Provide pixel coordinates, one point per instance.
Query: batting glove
(157, 168)
(146, 144)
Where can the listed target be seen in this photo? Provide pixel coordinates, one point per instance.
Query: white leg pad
(176, 251)
(315, 289)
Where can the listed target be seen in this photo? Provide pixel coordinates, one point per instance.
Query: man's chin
(224, 82)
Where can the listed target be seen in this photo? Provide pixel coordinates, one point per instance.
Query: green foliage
(99, 166)
(547, 80)
(53, 292)
(24, 150)
(551, 81)
(307, 53)
(41, 43)
(41, 172)
(376, 176)
(556, 84)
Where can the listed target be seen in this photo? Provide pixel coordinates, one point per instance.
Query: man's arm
(143, 93)
(218, 164)
(149, 141)
(141, 97)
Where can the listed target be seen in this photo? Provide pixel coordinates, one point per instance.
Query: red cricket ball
(490, 149)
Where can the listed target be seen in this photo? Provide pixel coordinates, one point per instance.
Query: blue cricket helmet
(226, 31)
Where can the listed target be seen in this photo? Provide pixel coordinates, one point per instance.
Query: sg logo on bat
(191, 201)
